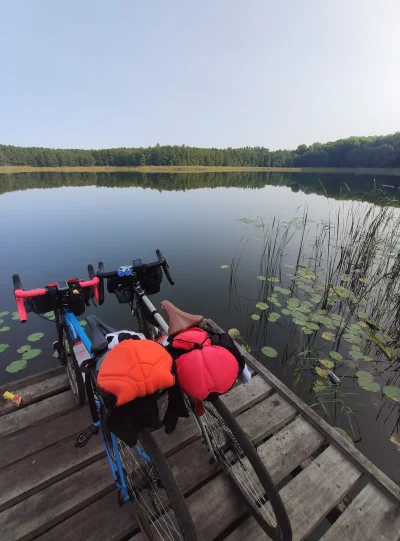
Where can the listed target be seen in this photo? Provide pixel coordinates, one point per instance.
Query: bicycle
(67, 299)
(227, 442)
(141, 473)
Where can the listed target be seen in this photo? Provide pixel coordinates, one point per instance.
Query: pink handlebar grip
(21, 309)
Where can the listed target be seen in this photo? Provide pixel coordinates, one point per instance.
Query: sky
(222, 73)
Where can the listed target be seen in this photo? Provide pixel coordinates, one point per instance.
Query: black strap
(91, 399)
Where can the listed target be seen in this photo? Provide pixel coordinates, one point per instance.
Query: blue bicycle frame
(76, 330)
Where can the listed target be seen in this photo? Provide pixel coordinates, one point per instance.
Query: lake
(219, 232)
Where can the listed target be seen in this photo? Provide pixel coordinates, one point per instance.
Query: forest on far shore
(376, 151)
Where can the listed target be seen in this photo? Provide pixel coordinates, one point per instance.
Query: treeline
(382, 151)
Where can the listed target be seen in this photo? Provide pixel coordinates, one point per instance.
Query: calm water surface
(53, 225)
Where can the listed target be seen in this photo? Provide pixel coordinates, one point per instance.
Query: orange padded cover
(135, 368)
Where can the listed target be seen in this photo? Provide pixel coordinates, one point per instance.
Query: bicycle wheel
(238, 458)
(73, 371)
(161, 509)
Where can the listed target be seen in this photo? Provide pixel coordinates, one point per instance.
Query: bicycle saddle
(99, 330)
(180, 321)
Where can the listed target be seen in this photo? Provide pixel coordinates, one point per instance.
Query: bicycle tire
(282, 531)
(74, 373)
(174, 495)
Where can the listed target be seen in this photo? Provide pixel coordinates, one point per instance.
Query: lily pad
(352, 338)
(260, 305)
(31, 353)
(3, 347)
(224, 266)
(303, 309)
(300, 322)
(312, 326)
(315, 299)
(83, 322)
(306, 330)
(269, 352)
(345, 278)
(365, 281)
(22, 349)
(299, 315)
(35, 337)
(392, 392)
(321, 372)
(273, 316)
(344, 434)
(369, 385)
(328, 336)
(362, 324)
(273, 279)
(363, 315)
(283, 290)
(286, 312)
(335, 355)
(4, 329)
(256, 317)
(367, 376)
(262, 278)
(15, 316)
(328, 363)
(2, 314)
(16, 366)
(234, 333)
(319, 386)
(356, 354)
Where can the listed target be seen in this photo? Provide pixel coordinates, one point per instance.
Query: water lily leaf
(299, 322)
(22, 349)
(234, 333)
(362, 315)
(2, 314)
(352, 338)
(262, 306)
(336, 317)
(303, 309)
(367, 359)
(392, 392)
(83, 323)
(282, 290)
(299, 315)
(306, 330)
(369, 386)
(4, 329)
(328, 336)
(344, 434)
(293, 302)
(286, 312)
(328, 363)
(312, 326)
(365, 281)
(31, 353)
(321, 372)
(367, 376)
(356, 354)
(372, 324)
(35, 337)
(362, 324)
(16, 366)
(256, 317)
(382, 337)
(3, 347)
(335, 355)
(224, 266)
(273, 279)
(345, 278)
(15, 316)
(289, 265)
(308, 289)
(275, 302)
(273, 316)
(269, 352)
(394, 439)
(262, 278)
(315, 299)
(319, 386)
(393, 352)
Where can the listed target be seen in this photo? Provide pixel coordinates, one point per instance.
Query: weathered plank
(242, 397)
(103, 520)
(36, 392)
(35, 515)
(44, 410)
(271, 413)
(39, 470)
(31, 380)
(14, 447)
(370, 517)
(310, 495)
(357, 458)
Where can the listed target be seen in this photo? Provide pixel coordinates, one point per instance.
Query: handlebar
(21, 294)
(140, 267)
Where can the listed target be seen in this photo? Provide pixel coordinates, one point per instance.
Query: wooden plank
(244, 396)
(37, 391)
(357, 458)
(35, 515)
(310, 495)
(37, 413)
(103, 520)
(370, 517)
(271, 414)
(14, 447)
(31, 380)
(39, 470)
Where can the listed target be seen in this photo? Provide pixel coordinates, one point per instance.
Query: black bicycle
(227, 442)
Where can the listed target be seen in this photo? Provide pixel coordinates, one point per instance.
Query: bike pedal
(81, 440)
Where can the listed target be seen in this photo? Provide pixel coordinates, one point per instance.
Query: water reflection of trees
(336, 186)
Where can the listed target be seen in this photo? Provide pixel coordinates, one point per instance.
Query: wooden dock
(51, 490)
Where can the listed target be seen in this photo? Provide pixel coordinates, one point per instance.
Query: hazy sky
(94, 74)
